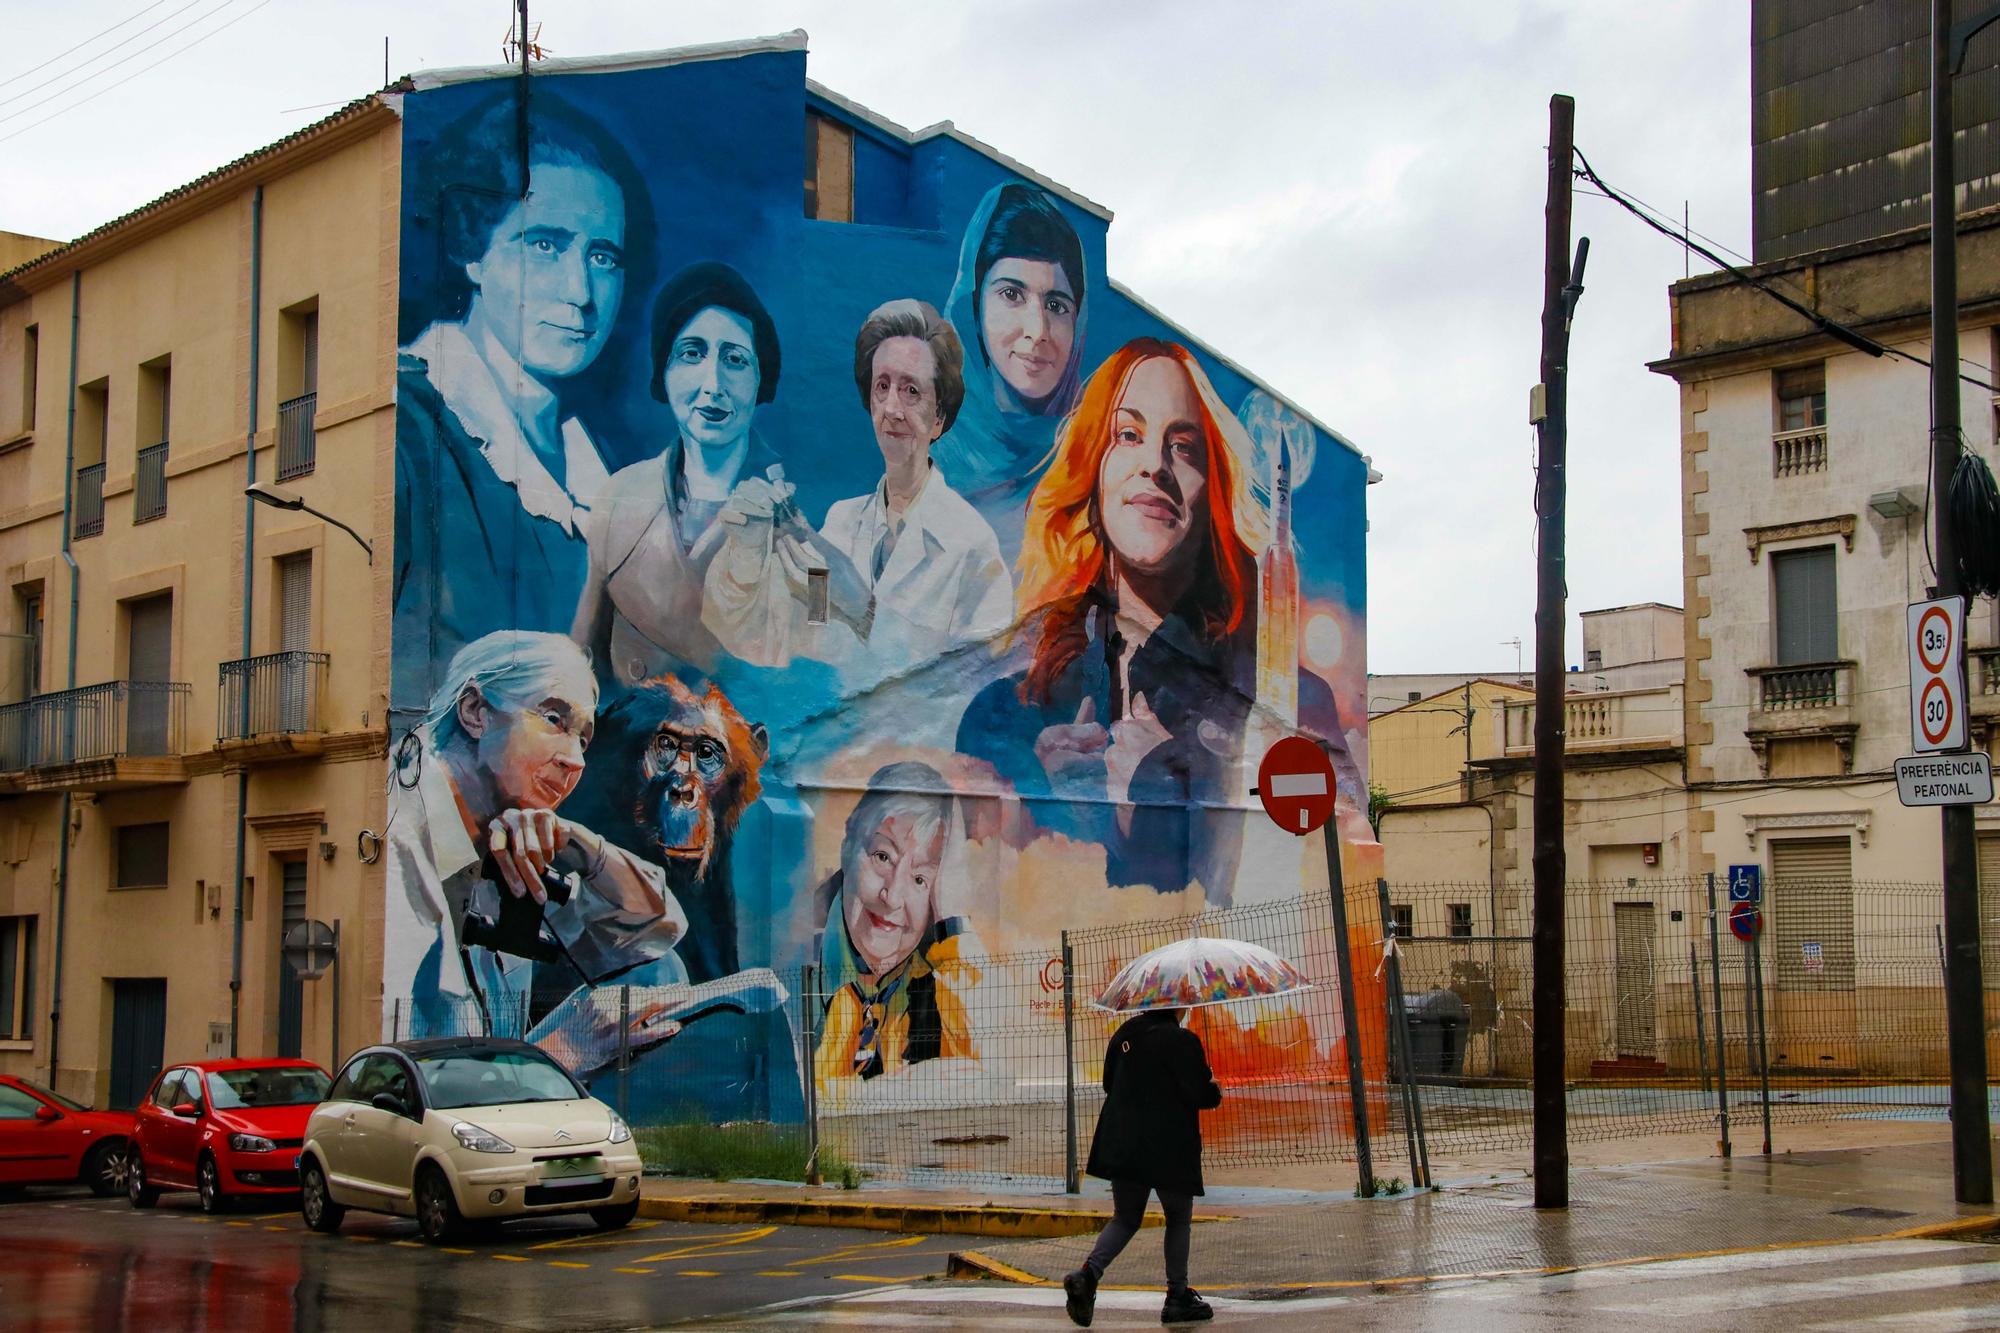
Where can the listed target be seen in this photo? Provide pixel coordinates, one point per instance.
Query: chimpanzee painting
(776, 595)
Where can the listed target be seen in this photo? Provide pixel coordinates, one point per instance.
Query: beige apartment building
(196, 683)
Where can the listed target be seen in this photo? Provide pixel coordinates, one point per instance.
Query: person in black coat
(1148, 1141)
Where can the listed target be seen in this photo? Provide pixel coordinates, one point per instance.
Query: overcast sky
(1344, 197)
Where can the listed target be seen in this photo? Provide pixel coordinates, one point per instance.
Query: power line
(57, 78)
(80, 45)
(135, 73)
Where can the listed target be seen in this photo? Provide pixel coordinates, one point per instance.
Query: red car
(227, 1129)
(47, 1139)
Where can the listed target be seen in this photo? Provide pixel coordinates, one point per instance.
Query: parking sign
(1746, 884)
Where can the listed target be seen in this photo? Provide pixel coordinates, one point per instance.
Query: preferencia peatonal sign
(1944, 779)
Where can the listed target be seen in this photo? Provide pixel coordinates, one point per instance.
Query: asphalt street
(69, 1261)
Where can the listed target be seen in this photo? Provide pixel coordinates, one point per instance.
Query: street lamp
(264, 493)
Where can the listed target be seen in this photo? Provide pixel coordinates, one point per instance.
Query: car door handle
(350, 1121)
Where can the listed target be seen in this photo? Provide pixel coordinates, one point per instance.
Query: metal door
(291, 990)
(1634, 932)
(295, 637)
(138, 1037)
(1808, 945)
(149, 656)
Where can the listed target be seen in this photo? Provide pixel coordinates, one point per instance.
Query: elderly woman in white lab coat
(894, 577)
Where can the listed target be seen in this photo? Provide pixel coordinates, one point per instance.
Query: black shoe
(1186, 1308)
(1080, 1296)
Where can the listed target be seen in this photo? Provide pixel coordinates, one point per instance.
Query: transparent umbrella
(1190, 973)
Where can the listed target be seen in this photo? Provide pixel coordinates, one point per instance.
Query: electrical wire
(214, 32)
(57, 78)
(105, 32)
(1839, 332)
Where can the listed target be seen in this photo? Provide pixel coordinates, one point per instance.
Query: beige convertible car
(464, 1129)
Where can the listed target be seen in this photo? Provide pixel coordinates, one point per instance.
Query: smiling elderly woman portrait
(895, 939)
(494, 471)
(715, 361)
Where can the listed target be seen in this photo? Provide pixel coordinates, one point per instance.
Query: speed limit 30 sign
(1937, 676)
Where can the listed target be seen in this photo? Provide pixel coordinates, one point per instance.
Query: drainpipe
(69, 683)
(249, 572)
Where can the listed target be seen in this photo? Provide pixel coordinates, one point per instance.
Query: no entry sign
(1296, 784)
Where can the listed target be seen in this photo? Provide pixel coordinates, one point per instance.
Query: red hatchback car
(47, 1139)
(227, 1129)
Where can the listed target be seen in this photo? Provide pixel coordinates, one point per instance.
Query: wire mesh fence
(964, 1068)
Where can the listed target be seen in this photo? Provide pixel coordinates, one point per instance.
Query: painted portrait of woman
(1019, 299)
(495, 469)
(1138, 585)
(715, 361)
(896, 941)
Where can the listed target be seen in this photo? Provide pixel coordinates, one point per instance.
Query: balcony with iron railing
(149, 484)
(269, 707)
(297, 448)
(1797, 453)
(120, 733)
(88, 503)
(1802, 700)
(1605, 720)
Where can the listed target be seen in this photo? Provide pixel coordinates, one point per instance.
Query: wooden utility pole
(1964, 989)
(1561, 287)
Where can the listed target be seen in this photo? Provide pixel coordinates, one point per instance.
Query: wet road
(71, 1262)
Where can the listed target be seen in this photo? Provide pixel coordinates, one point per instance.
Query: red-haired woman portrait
(1138, 585)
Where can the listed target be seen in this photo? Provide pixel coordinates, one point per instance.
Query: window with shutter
(1810, 915)
(295, 601)
(1806, 620)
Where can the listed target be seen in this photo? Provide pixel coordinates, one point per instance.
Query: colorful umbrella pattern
(1194, 972)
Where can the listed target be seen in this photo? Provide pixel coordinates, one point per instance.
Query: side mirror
(187, 1110)
(45, 1113)
(390, 1102)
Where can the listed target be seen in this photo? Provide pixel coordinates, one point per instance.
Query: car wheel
(137, 1190)
(616, 1216)
(437, 1211)
(208, 1184)
(316, 1204)
(104, 1170)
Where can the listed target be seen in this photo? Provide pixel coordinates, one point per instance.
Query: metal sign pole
(1399, 1015)
(1700, 1037)
(1357, 1087)
(1721, 1041)
(1756, 947)
(336, 997)
(1072, 1178)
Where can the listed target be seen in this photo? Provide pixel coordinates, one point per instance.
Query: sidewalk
(1616, 1215)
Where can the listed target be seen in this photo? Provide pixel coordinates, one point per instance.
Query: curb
(971, 1264)
(993, 1221)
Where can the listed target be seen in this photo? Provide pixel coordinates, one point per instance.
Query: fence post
(1763, 1051)
(1721, 1042)
(1700, 1037)
(1072, 1177)
(396, 1020)
(1399, 1017)
(809, 1070)
(1350, 1020)
(624, 1047)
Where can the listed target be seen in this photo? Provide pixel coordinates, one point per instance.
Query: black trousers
(1128, 1201)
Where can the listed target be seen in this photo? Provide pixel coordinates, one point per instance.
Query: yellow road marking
(417, 1245)
(236, 1224)
(513, 1258)
(636, 1270)
(277, 1228)
(777, 1272)
(855, 1251)
(449, 1250)
(565, 1263)
(350, 1237)
(694, 1272)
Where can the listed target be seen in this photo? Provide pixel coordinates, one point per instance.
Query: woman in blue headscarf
(1019, 298)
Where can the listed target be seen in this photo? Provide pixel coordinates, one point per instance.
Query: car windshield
(239, 1089)
(54, 1096)
(493, 1078)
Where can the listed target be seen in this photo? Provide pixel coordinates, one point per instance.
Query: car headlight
(479, 1140)
(620, 1131)
(251, 1143)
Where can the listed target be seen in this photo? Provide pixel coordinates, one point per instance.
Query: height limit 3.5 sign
(1937, 675)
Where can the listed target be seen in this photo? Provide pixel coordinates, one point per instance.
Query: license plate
(562, 1168)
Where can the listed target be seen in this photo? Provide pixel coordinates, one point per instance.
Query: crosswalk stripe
(1916, 1321)
(1927, 1278)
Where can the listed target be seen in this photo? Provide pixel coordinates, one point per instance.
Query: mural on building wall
(772, 592)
